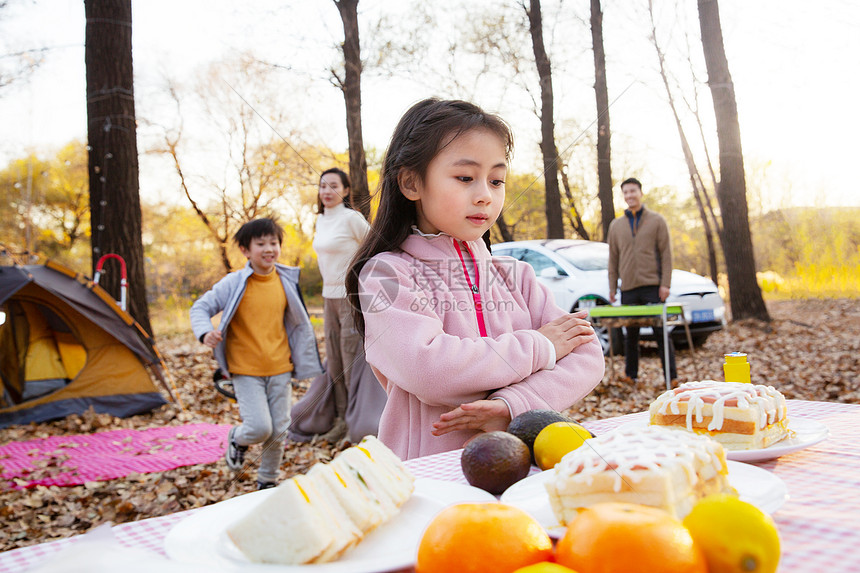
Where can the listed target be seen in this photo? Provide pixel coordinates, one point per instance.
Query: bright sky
(794, 64)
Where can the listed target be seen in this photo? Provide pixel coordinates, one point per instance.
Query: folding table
(665, 315)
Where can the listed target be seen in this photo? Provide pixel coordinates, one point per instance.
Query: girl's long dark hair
(422, 132)
(344, 180)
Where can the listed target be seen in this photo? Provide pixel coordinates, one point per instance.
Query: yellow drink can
(736, 367)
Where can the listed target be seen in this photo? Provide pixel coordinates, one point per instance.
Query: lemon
(556, 440)
(545, 567)
(735, 536)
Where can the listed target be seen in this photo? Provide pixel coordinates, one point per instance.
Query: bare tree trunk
(604, 170)
(112, 137)
(573, 216)
(554, 222)
(220, 239)
(744, 293)
(351, 87)
(706, 196)
(710, 206)
(695, 179)
(504, 230)
(709, 234)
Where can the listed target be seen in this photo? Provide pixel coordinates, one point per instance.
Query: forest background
(244, 130)
(239, 106)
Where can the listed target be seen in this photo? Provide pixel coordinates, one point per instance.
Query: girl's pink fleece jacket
(422, 341)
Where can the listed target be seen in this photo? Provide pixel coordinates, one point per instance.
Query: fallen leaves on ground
(810, 351)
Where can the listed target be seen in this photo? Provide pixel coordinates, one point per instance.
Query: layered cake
(740, 416)
(661, 467)
(315, 518)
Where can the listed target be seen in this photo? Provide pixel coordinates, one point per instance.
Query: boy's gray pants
(264, 404)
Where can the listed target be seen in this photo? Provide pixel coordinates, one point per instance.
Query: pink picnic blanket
(76, 459)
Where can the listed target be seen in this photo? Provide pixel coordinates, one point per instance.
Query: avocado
(528, 425)
(494, 461)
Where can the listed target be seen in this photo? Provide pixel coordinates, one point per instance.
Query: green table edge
(634, 310)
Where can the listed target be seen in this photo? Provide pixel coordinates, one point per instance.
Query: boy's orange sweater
(257, 338)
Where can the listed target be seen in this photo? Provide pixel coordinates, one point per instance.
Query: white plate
(200, 538)
(806, 433)
(755, 485)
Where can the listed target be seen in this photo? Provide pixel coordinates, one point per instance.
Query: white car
(577, 273)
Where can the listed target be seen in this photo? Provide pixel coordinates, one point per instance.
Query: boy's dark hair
(631, 180)
(258, 228)
(344, 180)
(426, 128)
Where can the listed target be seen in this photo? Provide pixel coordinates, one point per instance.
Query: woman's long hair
(344, 180)
(422, 132)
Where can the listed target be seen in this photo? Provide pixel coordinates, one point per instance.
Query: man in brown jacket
(640, 253)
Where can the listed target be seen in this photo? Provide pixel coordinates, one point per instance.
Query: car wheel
(699, 339)
(603, 337)
(615, 337)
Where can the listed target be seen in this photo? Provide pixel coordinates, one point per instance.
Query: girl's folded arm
(405, 341)
(573, 376)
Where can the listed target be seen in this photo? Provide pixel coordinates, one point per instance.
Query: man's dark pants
(644, 295)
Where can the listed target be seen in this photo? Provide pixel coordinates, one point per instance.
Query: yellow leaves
(815, 252)
(770, 282)
(825, 281)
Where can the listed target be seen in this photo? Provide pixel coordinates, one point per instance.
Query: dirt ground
(810, 350)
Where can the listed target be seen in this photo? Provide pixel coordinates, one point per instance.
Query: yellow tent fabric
(65, 349)
(43, 360)
(108, 359)
(72, 353)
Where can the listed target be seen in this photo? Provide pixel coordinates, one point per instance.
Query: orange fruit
(479, 537)
(623, 537)
(545, 567)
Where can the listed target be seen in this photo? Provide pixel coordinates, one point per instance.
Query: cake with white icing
(659, 467)
(740, 416)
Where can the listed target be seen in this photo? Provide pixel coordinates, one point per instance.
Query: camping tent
(66, 346)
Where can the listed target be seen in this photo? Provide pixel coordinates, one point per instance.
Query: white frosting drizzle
(628, 452)
(766, 400)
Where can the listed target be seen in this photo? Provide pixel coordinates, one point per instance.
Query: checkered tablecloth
(819, 525)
